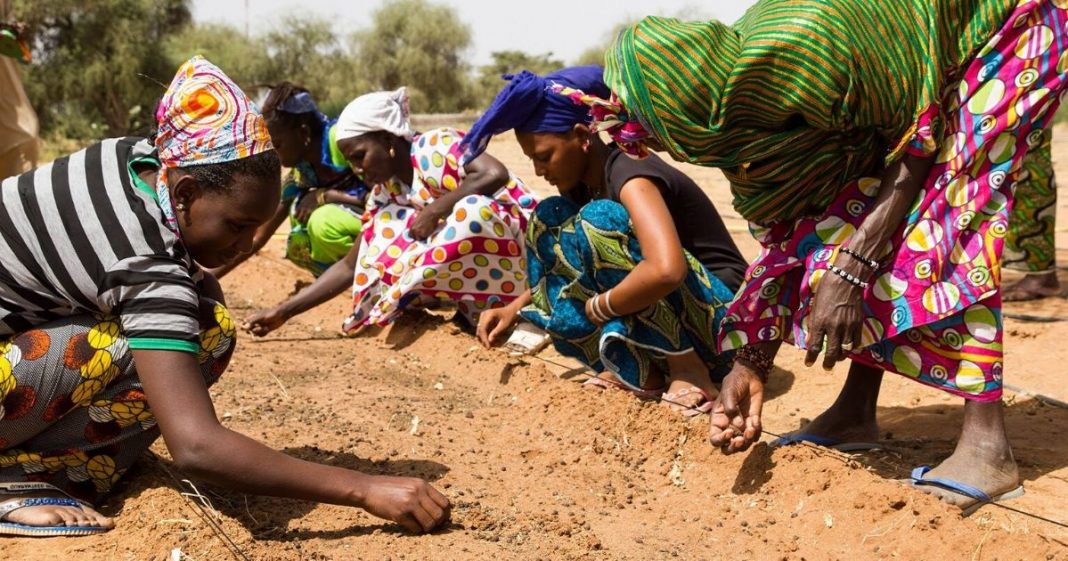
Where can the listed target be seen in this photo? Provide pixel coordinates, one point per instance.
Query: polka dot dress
(476, 257)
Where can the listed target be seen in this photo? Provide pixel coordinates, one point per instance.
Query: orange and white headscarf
(204, 118)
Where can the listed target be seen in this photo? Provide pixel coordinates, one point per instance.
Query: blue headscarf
(301, 103)
(527, 105)
(298, 103)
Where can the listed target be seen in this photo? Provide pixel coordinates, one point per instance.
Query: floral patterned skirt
(578, 253)
(74, 414)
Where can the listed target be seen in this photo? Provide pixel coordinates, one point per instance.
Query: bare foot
(842, 426)
(1032, 286)
(852, 416)
(53, 515)
(983, 458)
(988, 468)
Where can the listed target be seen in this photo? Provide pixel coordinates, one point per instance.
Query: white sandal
(527, 339)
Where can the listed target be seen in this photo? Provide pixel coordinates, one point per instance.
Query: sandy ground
(540, 468)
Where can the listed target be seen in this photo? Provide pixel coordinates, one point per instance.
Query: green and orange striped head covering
(709, 99)
(670, 75)
(799, 97)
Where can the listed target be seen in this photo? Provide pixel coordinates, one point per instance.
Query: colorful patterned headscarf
(204, 118)
(610, 116)
(526, 104)
(378, 111)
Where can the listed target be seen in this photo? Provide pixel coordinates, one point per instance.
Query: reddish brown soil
(540, 468)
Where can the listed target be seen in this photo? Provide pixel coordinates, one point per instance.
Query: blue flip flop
(16, 529)
(826, 442)
(980, 497)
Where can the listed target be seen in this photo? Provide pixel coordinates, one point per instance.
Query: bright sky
(563, 27)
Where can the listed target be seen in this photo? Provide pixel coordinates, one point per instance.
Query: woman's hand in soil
(735, 419)
(493, 323)
(408, 501)
(836, 315)
(306, 206)
(263, 322)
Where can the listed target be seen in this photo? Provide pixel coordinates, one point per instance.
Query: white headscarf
(378, 111)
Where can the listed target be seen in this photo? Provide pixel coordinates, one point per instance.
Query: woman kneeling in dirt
(880, 194)
(321, 196)
(439, 226)
(631, 268)
(113, 334)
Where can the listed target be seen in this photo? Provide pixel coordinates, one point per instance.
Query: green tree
(595, 54)
(244, 59)
(302, 50)
(306, 51)
(510, 62)
(99, 63)
(421, 45)
(592, 55)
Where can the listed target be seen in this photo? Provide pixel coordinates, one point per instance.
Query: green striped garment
(799, 97)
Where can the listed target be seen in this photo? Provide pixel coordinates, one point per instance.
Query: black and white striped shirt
(78, 236)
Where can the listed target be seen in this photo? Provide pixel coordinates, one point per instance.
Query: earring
(179, 207)
(392, 152)
(586, 145)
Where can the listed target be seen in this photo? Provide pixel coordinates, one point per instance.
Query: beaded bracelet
(848, 277)
(759, 361)
(868, 262)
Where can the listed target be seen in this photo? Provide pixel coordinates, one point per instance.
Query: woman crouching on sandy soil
(112, 334)
(631, 267)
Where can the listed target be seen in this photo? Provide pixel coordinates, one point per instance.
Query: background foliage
(101, 65)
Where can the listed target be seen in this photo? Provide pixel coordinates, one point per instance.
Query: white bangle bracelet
(608, 303)
(596, 309)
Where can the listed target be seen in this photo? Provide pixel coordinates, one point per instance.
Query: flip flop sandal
(16, 529)
(674, 399)
(980, 497)
(614, 385)
(826, 442)
(527, 339)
